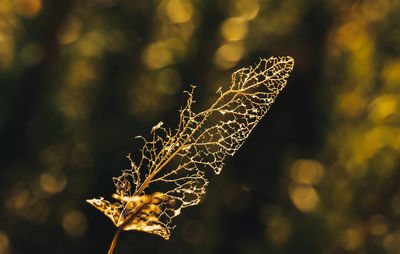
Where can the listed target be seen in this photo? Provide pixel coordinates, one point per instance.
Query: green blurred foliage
(80, 79)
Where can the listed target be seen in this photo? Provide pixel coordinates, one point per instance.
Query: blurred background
(80, 79)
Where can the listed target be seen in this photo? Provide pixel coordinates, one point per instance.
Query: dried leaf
(135, 212)
(175, 162)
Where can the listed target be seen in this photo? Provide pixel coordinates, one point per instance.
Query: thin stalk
(114, 241)
(123, 225)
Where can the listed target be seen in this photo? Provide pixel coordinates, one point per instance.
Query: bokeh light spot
(80, 72)
(162, 53)
(28, 8)
(356, 167)
(6, 50)
(74, 223)
(353, 239)
(179, 11)
(278, 229)
(38, 212)
(28, 203)
(371, 141)
(383, 107)
(157, 55)
(53, 156)
(234, 29)
(245, 9)
(378, 225)
(18, 199)
(304, 197)
(307, 171)
(391, 243)
(53, 182)
(4, 243)
(391, 74)
(228, 54)
(374, 9)
(92, 44)
(352, 104)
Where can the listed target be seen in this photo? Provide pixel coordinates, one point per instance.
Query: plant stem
(114, 241)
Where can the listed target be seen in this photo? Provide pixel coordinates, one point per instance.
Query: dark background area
(80, 79)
